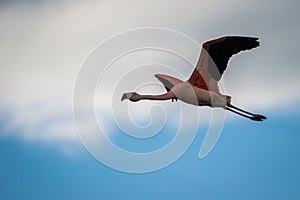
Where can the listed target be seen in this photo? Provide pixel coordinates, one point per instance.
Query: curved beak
(124, 96)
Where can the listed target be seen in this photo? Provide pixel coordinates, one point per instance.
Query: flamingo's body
(201, 89)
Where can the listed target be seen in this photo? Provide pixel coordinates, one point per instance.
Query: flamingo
(201, 89)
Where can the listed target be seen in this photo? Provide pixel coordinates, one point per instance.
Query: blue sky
(43, 46)
(250, 161)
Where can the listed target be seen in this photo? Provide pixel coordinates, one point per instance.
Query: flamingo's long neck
(165, 96)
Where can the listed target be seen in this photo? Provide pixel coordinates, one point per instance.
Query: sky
(46, 44)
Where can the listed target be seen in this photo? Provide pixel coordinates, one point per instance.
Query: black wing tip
(249, 39)
(242, 36)
(253, 41)
(221, 49)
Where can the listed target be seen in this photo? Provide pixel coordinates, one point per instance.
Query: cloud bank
(43, 46)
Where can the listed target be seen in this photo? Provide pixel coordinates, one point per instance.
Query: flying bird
(202, 89)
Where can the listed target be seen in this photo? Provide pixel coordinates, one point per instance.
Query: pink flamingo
(201, 88)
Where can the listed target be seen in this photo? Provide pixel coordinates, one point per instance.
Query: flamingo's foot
(258, 117)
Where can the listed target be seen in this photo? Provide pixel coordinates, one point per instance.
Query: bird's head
(132, 96)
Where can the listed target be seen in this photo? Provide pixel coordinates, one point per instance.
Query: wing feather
(215, 55)
(168, 81)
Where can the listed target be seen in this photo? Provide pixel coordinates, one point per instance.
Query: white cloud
(43, 46)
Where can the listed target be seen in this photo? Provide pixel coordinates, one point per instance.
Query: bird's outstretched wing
(168, 81)
(214, 58)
